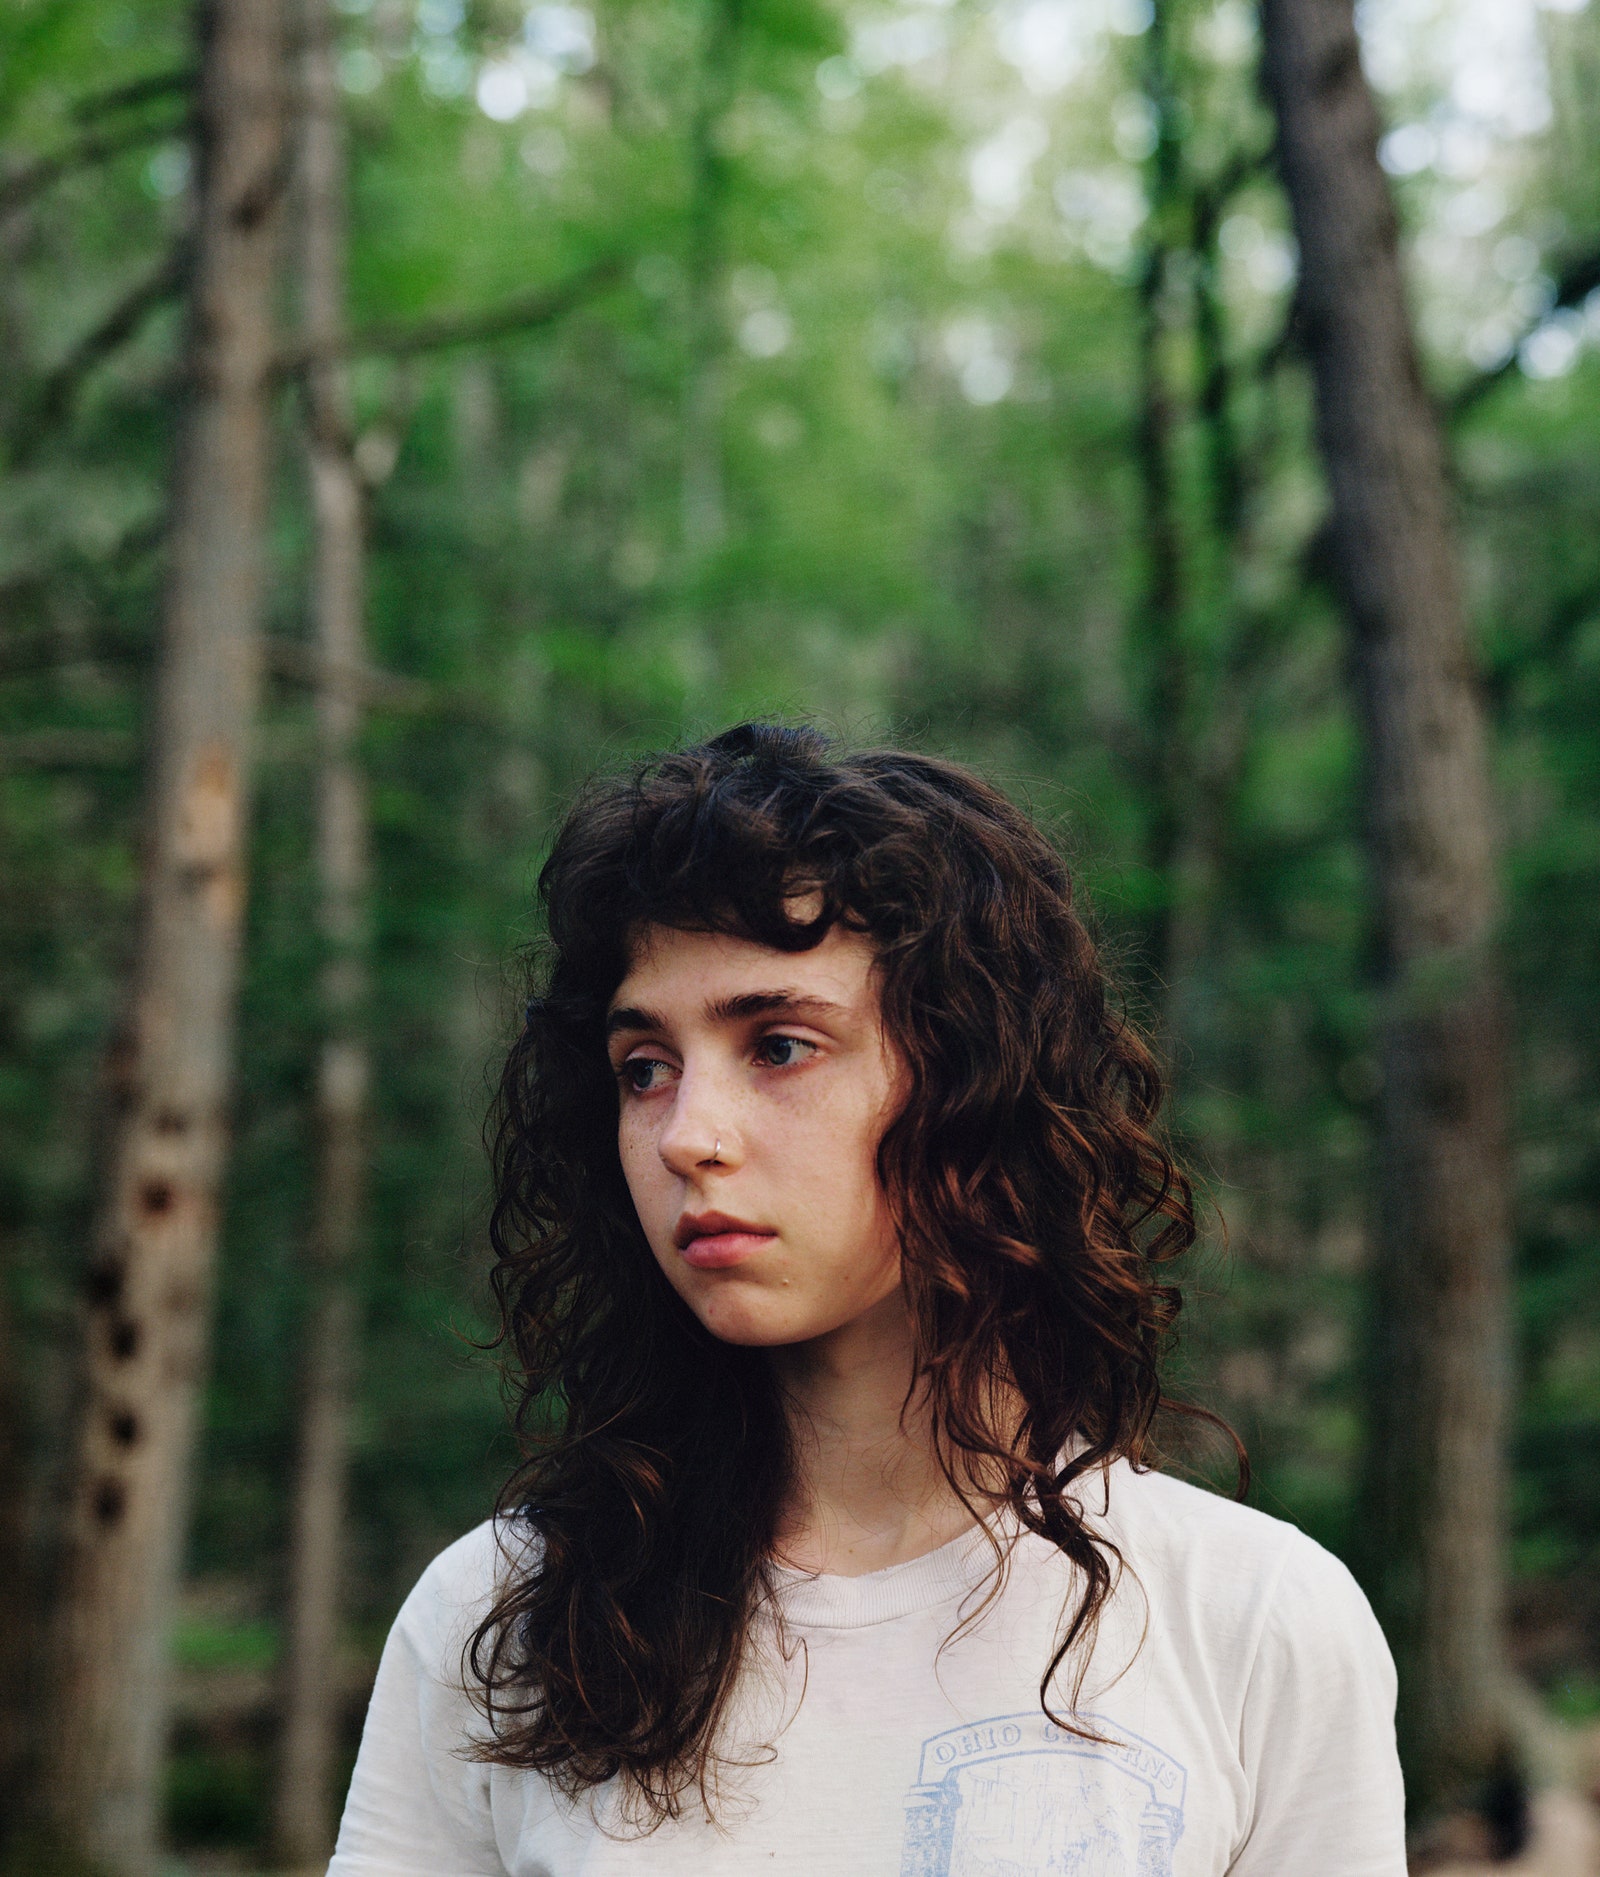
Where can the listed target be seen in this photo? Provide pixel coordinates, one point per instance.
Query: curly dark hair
(1034, 1202)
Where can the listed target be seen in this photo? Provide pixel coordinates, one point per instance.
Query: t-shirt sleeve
(419, 1804)
(1317, 1732)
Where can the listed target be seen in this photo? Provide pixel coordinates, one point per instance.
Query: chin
(745, 1322)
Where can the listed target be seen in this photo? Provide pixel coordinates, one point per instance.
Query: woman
(830, 1224)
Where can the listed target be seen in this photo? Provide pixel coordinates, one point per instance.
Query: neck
(869, 1491)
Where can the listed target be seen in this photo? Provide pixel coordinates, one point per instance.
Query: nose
(698, 1132)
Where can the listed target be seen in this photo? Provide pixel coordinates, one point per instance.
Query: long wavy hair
(1034, 1201)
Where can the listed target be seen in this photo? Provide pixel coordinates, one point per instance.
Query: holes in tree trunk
(198, 875)
(125, 1340)
(157, 1197)
(124, 1428)
(110, 1501)
(170, 1121)
(103, 1282)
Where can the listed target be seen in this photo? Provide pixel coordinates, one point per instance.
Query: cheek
(641, 1164)
(627, 1140)
(849, 1192)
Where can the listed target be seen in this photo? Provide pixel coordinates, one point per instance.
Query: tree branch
(95, 146)
(55, 395)
(1575, 282)
(1212, 197)
(297, 660)
(1566, 616)
(126, 97)
(1290, 337)
(400, 339)
(68, 749)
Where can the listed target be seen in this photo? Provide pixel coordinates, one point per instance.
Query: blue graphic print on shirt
(1017, 1796)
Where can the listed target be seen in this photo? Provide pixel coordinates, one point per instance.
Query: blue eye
(639, 1072)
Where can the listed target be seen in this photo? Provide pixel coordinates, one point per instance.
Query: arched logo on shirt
(1016, 1794)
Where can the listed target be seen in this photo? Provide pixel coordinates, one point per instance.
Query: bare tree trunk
(1159, 612)
(1435, 1488)
(703, 495)
(1163, 657)
(156, 1234)
(1224, 469)
(305, 1799)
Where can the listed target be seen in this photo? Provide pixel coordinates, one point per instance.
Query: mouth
(712, 1241)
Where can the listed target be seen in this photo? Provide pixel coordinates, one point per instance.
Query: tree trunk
(703, 495)
(156, 1232)
(1162, 679)
(1434, 1506)
(1190, 673)
(1224, 469)
(305, 1799)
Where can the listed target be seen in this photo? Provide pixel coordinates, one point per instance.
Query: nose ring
(716, 1151)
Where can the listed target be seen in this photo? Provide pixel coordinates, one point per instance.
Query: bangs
(769, 841)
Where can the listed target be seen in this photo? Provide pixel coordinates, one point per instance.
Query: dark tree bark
(1224, 467)
(1434, 1518)
(1185, 773)
(703, 495)
(505, 319)
(156, 1231)
(304, 1801)
(1163, 666)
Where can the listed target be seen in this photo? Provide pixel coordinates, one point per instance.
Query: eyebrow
(739, 1009)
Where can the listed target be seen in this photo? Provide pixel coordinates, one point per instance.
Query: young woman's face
(755, 1086)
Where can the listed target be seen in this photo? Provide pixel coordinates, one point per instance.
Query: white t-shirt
(1242, 1688)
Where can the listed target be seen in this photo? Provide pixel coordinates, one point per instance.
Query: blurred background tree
(936, 370)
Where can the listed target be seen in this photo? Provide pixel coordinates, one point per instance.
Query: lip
(713, 1241)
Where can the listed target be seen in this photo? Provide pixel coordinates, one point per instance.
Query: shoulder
(420, 1799)
(458, 1589)
(1255, 1582)
(1266, 1641)
(1167, 1520)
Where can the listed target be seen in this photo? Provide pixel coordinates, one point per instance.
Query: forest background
(936, 371)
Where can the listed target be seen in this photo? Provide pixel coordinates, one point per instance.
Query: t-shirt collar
(822, 1600)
